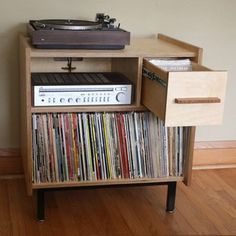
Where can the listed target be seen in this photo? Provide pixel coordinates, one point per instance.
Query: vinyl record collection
(103, 146)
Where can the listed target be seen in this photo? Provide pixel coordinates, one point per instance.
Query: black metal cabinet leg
(170, 203)
(40, 205)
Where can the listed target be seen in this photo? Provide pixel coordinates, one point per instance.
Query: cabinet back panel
(83, 65)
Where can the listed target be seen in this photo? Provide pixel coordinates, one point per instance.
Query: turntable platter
(66, 24)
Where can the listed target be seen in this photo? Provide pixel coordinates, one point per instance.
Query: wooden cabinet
(181, 99)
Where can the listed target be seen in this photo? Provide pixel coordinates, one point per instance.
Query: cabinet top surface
(139, 47)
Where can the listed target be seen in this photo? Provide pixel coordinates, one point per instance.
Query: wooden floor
(208, 207)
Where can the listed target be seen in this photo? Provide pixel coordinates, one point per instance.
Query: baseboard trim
(214, 155)
(12, 176)
(9, 152)
(206, 155)
(10, 162)
(213, 167)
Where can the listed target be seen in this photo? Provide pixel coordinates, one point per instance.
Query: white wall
(209, 24)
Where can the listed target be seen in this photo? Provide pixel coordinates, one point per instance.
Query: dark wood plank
(5, 217)
(21, 209)
(179, 224)
(220, 198)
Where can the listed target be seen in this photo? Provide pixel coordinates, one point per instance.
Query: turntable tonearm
(99, 34)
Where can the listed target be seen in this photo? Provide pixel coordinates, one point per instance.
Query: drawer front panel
(195, 98)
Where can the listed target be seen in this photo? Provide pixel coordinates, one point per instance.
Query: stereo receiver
(70, 89)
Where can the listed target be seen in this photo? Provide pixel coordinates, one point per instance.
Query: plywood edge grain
(195, 49)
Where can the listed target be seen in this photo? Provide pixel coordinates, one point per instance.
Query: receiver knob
(62, 100)
(70, 100)
(77, 100)
(120, 97)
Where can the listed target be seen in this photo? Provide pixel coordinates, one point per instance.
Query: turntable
(81, 34)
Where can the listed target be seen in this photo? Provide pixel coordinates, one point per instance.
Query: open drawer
(184, 98)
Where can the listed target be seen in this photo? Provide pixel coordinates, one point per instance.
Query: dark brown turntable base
(62, 34)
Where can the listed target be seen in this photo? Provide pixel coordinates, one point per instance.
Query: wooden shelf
(88, 109)
(106, 182)
(139, 47)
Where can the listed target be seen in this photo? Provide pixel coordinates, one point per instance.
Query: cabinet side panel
(189, 155)
(25, 102)
(191, 137)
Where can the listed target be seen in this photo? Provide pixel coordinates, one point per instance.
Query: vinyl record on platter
(56, 24)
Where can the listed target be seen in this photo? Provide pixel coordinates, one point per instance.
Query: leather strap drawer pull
(197, 100)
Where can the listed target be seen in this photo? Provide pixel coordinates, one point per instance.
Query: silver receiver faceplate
(102, 91)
